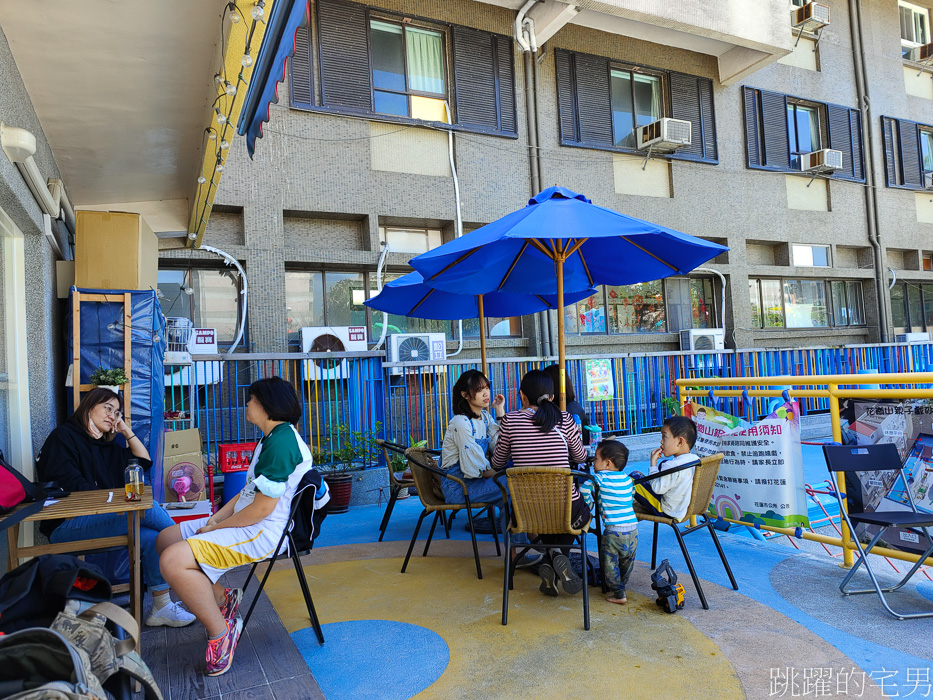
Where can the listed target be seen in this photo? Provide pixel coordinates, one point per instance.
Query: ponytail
(539, 389)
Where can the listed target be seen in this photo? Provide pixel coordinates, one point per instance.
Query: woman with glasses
(83, 454)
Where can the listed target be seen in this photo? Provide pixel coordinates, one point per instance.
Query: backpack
(15, 489)
(309, 512)
(40, 664)
(670, 593)
(32, 594)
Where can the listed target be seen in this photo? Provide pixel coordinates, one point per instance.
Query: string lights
(224, 104)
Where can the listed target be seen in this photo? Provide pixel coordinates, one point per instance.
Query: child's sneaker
(231, 604)
(220, 650)
(548, 580)
(568, 578)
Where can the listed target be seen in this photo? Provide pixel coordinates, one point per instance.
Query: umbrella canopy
(561, 241)
(410, 296)
(518, 252)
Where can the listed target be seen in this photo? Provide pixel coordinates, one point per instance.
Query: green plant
(354, 446)
(398, 463)
(108, 377)
(671, 406)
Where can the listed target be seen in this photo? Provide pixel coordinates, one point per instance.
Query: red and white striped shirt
(527, 446)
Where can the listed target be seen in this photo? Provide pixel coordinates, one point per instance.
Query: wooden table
(91, 503)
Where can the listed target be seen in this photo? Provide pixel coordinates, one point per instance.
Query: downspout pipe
(525, 37)
(871, 194)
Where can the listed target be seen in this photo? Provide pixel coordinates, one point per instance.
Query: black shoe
(568, 578)
(548, 580)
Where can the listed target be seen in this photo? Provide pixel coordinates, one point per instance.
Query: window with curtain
(926, 150)
(636, 101)
(915, 26)
(811, 255)
(410, 240)
(799, 303)
(408, 71)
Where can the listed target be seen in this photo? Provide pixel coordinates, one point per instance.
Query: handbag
(15, 489)
(88, 632)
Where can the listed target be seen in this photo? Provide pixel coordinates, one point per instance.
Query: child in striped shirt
(620, 527)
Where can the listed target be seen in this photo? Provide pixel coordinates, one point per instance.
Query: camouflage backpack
(39, 664)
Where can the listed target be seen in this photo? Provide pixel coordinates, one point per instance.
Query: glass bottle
(134, 481)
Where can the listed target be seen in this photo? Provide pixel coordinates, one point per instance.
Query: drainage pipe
(871, 194)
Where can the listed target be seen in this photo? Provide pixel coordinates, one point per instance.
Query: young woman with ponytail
(541, 435)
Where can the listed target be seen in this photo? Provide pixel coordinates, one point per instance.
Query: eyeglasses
(113, 412)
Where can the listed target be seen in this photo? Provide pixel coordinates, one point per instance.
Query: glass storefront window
(591, 314)
(637, 308)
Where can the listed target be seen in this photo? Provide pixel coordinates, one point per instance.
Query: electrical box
(115, 250)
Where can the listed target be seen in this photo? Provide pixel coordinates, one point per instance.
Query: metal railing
(412, 401)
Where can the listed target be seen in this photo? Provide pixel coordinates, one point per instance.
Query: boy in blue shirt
(620, 527)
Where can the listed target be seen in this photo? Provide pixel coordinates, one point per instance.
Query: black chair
(396, 483)
(878, 458)
(304, 524)
(427, 480)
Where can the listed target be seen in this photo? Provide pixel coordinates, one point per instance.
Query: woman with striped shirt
(541, 435)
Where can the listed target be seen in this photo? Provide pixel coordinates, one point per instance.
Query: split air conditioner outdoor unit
(920, 53)
(663, 135)
(826, 160)
(810, 17)
(417, 347)
(912, 338)
(331, 339)
(702, 339)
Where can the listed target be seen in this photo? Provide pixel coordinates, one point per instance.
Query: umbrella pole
(482, 333)
(561, 390)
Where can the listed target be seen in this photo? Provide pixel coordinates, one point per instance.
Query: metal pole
(847, 558)
(482, 333)
(561, 390)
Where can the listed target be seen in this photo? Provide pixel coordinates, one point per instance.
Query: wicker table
(91, 503)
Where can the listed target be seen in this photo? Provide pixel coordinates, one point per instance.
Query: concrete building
(354, 154)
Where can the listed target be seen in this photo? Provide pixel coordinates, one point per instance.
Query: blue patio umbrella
(561, 242)
(410, 296)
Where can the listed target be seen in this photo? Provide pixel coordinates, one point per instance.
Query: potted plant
(356, 450)
(112, 379)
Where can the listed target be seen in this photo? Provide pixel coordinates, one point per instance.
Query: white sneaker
(171, 615)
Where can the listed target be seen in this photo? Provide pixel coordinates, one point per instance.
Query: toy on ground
(670, 593)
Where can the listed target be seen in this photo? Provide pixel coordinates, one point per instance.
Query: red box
(235, 457)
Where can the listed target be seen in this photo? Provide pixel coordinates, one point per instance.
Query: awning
(286, 18)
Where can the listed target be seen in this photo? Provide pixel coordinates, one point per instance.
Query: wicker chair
(540, 502)
(427, 478)
(396, 483)
(704, 479)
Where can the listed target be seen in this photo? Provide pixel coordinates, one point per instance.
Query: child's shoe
(231, 604)
(220, 650)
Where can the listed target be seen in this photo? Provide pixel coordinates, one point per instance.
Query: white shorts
(220, 550)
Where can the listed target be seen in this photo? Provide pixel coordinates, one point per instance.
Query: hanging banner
(599, 386)
(909, 426)
(761, 476)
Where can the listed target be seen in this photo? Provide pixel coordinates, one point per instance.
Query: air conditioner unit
(826, 160)
(335, 339)
(177, 338)
(417, 347)
(920, 54)
(201, 372)
(702, 339)
(912, 338)
(810, 17)
(663, 135)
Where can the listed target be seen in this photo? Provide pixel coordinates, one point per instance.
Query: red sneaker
(220, 650)
(231, 604)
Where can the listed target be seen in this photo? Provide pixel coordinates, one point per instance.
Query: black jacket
(77, 462)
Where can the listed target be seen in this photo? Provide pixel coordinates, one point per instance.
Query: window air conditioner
(663, 135)
(417, 347)
(912, 338)
(920, 53)
(702, 339)
(201, 342)
(331, 339)
(810, 17)
(826, 160)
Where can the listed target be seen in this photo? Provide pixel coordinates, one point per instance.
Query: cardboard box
(183, 458)
(115, 250)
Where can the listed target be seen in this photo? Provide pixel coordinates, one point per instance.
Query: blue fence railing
(408, 401)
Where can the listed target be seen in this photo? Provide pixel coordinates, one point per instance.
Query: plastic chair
(300, 541)
(540, 502)
(704, 479)
(877, 458)
(396, 483)
(427, 477)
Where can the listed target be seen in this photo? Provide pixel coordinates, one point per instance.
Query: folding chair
(304, 522)
(424, 471)
(877, 458)
(704, 479)
(396, 483)
(540, 502)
